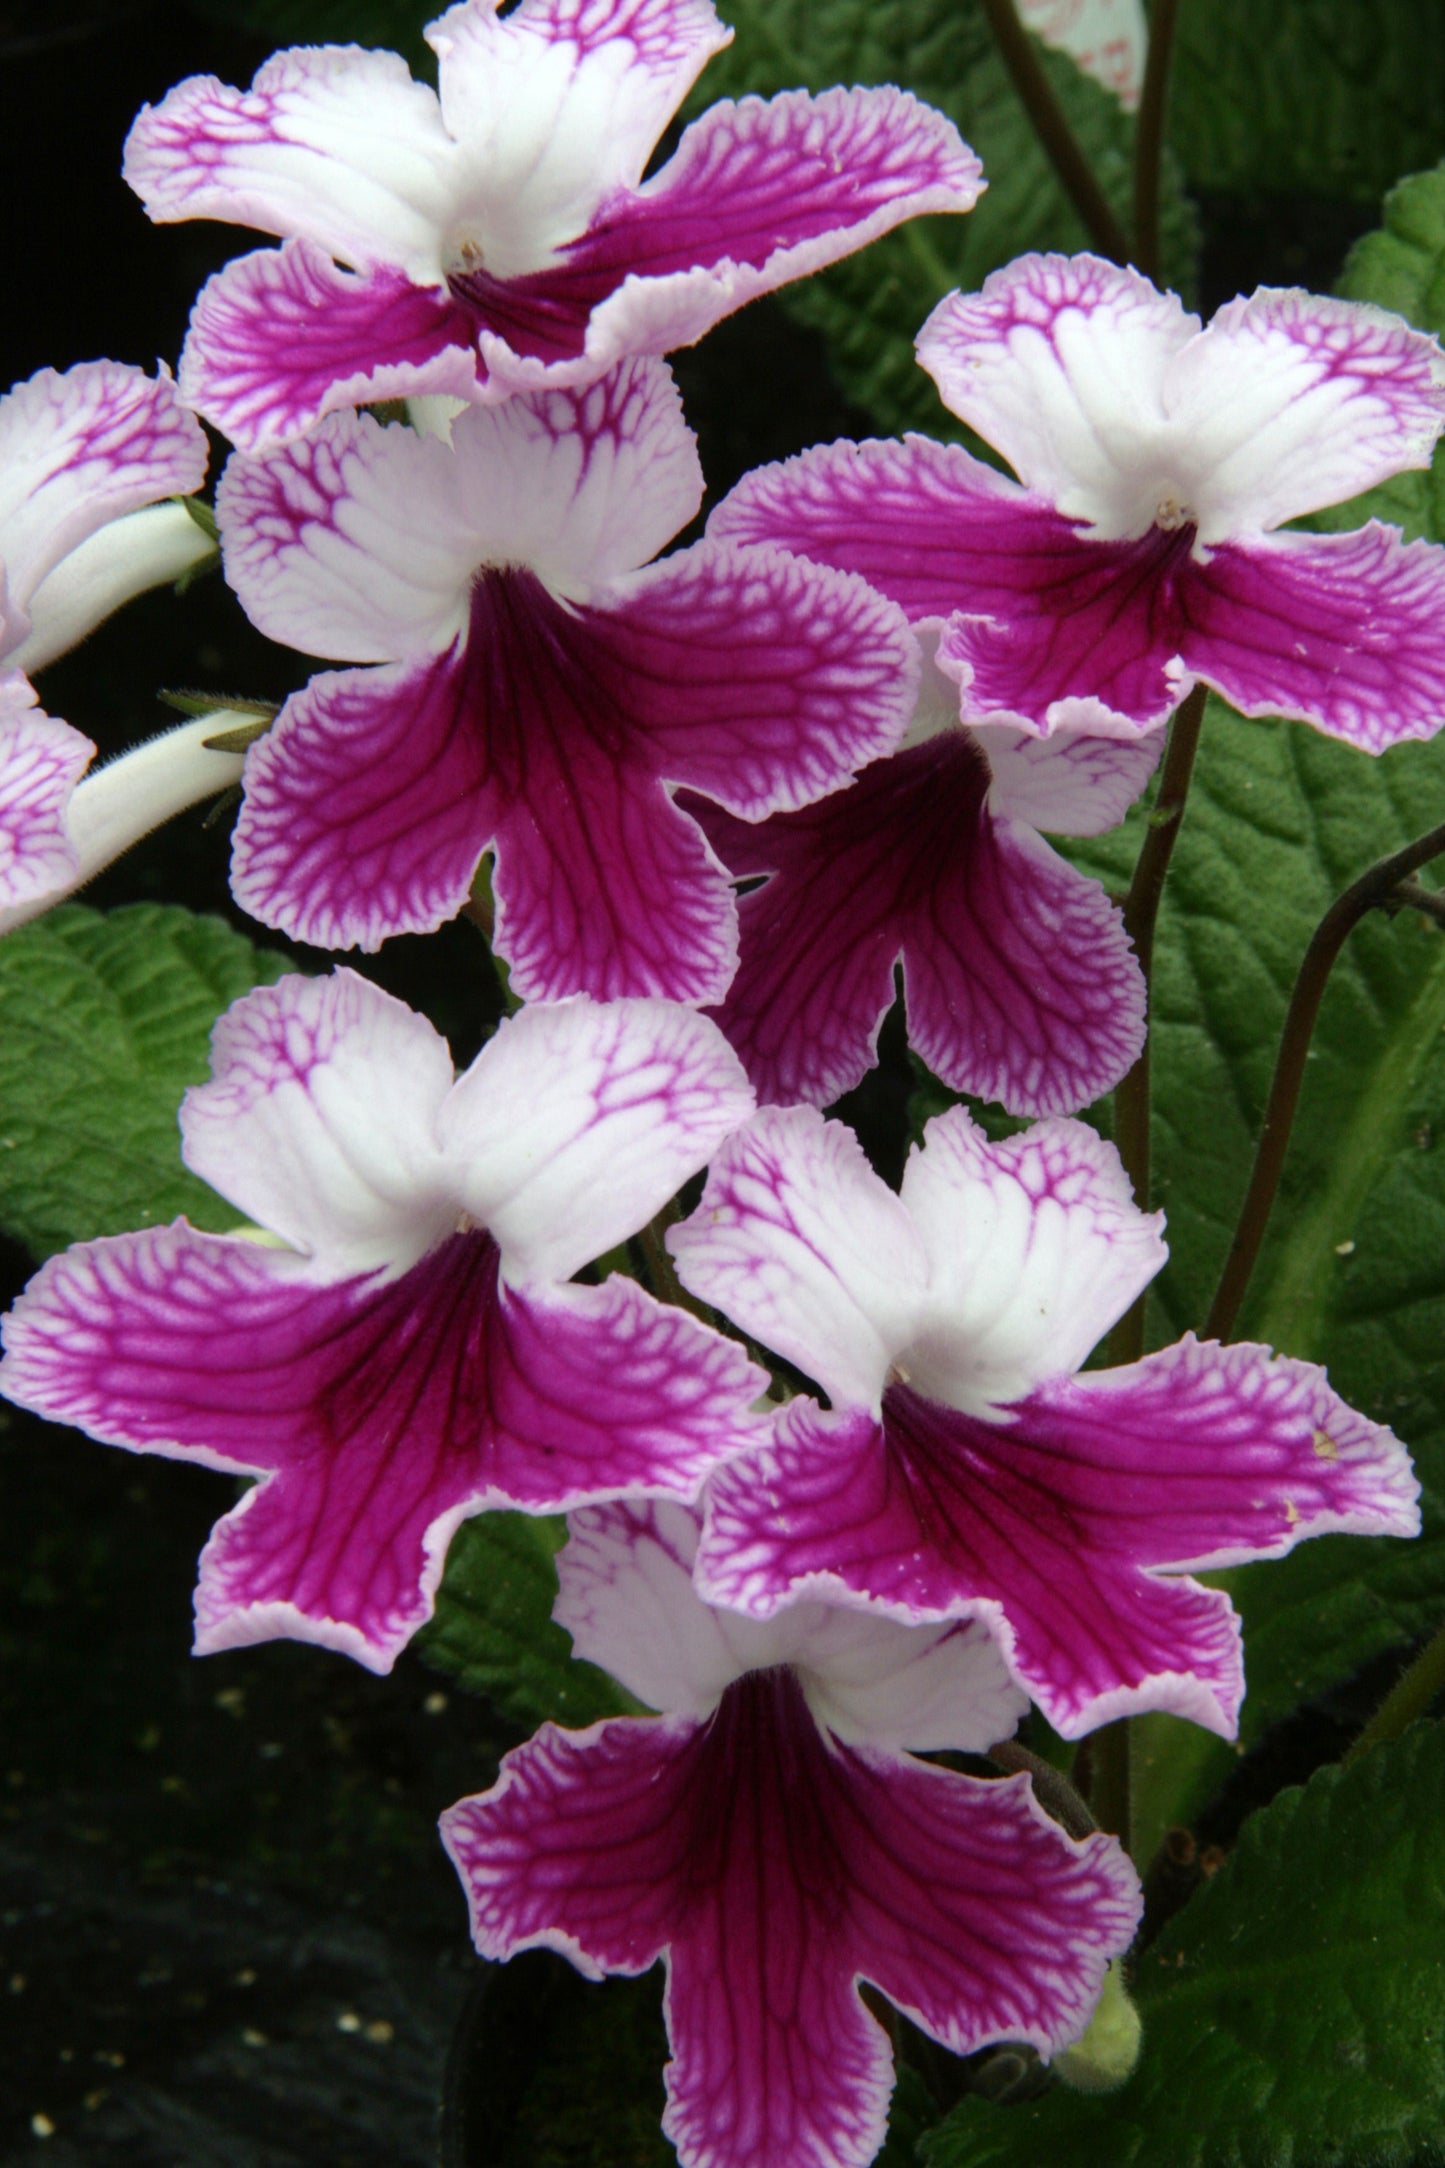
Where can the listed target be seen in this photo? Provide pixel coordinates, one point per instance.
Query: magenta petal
(380, 1411)
(1020, 983)
(1047, 1522)
(283, 336)
(41, 761)
(1342, 631)
(363, 814)
(775, 1868)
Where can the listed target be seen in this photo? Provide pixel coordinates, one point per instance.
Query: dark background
(228, 1935)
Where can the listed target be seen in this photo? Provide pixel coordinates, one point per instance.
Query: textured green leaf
(1292, 2011)
(493, 1628)
(1401, 266)
(1322, 97)
(104, 1022)
(871, 306)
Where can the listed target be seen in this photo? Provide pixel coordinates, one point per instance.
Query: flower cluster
(865, 696)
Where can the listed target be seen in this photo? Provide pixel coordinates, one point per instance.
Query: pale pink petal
(330, 144)
(1035, 1248)
(761, 680)
(1290, 401)
(1060, 363)
(627, 1598)
(41, 761)
(77, 450)
(774, 1869)
(757, 194)
(322, 1122)
(362, 543)
(144, 549)
(1048, 1521)
(281, 337)
(364, 812)
(578, 1121)
(799, 1242)
(560, 102)
(1070, 783)
(1342, 631)
(379, 1411)
(1108, 39)
(1020, 983)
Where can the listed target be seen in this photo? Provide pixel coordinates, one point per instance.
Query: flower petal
(1021, 985)
(627, 1598)
(577, 1122)
(1035, 1248)
(799, 1242)
(381, 1412)
(126, 558)
(1342, 631)
(322, 1122)
(365, 813)
(1070, 783)
(362, 543)
(1044, 1521)
(41, 761)
(77, 450)
(1060, 363)
(1107, 39)
(558, 103)
(757, 193)
(330, 144)
(1290, 401)
(775, 1870)
(281, 337)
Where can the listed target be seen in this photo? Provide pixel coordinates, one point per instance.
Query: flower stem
(1109, 1778)
(1149, 135)
(1141, 913)
(1059, 142)
(660, 1268)
(1408, 1699)
(1379, 888)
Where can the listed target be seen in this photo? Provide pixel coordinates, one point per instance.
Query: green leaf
(494, 1630)
(871, 306)
(1280, 820)
(104, 1022)
(1332, 98)
(1292, 2011)
(1401, 266)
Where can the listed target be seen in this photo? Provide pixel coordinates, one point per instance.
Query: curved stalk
(1378, 888)
(1060, 145)
(1408, 1699)
(1149, 135)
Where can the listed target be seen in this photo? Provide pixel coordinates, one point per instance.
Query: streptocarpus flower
(403, 1348)
(498, 235)
(769, 1839)
(963, 1469)
(538, 693)
(1108, 39)
(1019, 980)
(1139, 553)
(81, 455)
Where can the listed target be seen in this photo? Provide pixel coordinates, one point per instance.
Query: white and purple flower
(962, 1468)
(84, 456)
(769, 1838)
(402, 1346)
(1019, 981)
(1140, 551)
(541, 686)
(497, 235)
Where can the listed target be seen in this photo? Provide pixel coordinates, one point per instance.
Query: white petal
(1069, 784)
(580, 1119)
(322, 1122)
(145, 549)
(799, 1242)
(1036, 1248)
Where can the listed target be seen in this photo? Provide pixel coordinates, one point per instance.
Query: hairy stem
(1149, 135)
(1408, 1699)
(1059, 142)
(1141, 913)
(1109, 1778)
(1378, 889)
